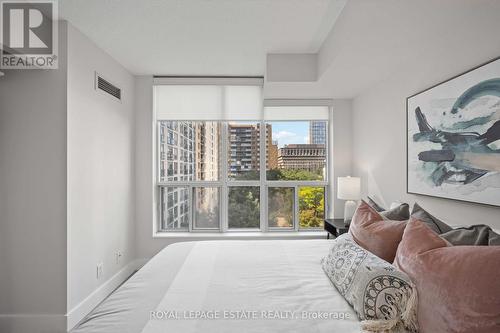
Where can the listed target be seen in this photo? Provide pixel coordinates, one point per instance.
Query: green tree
(311, 206)
(244, 207)
(248, 175)
(293, 174)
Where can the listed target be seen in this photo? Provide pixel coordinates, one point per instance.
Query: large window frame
(224, 183)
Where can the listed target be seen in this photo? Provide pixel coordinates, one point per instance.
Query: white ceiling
(374, 40)
(202, 37)
(359, 42)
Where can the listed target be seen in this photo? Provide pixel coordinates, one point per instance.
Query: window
(281, 207)
(311, 207)
(174, 211)
(206, 208)
(189, 150)
(244, 207)
(225, 163)
(292, 156)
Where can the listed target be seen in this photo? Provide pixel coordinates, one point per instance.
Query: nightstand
(336, 227)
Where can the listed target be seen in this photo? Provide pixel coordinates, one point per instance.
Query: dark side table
(336, 227)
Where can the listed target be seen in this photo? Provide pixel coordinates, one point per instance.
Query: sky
(290, 132)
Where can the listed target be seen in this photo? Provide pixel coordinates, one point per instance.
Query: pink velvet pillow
(458, 286)
(370, 230)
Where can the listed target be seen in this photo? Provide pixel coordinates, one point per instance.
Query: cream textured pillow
(380, 294)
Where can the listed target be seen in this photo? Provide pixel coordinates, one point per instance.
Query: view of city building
(273, 155)
(317, 132)
(310, 157)
(244, 150)
(207, 150)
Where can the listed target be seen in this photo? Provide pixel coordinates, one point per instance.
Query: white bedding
(272, 286)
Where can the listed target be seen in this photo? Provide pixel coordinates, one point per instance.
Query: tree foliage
(293, 174)
(311, 207)
(244, 202)
(244, 207)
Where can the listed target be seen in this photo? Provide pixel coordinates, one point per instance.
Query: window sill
(243, 235)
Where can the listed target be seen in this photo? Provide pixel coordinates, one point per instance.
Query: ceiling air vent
(106, 87)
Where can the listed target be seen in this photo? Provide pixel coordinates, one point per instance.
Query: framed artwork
(453, 138)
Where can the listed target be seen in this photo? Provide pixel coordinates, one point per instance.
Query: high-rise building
(207, 150)
(310, 157)
(273, 155)
(207, 168)
(177, 142)
(317, 132)
(177, 139)
(244, 148)
(188, 151)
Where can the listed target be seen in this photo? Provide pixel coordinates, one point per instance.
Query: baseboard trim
(76, 314)
(33, 323)
(141, 262)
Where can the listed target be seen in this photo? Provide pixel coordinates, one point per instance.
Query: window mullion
(263, 187)
(330, 192)
(224, 190)
(191, 209)
(296, 209)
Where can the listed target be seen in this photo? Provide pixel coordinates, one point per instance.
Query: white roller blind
(188, 102)
(243, 103)
(296, 113)
(208, 102)
(229, 102)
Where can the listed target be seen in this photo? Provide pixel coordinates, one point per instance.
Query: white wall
(379, 118)
(146, 245)
(342, 149)
(101, 176)
(33, 198)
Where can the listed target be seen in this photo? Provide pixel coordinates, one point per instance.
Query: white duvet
(228, 286)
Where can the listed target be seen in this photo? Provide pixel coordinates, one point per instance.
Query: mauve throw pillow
(458, 289)
(377, 235)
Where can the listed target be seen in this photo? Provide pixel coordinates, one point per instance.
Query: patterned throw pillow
(381, 295)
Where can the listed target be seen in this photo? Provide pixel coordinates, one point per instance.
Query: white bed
(259, 280)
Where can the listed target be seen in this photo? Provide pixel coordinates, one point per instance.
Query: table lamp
(349, 189)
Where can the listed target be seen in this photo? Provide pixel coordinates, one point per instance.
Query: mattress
(227, 286)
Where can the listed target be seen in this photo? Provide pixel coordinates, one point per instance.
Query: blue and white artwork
(454, 138)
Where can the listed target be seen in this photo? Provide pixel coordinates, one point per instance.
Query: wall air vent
(106, 87)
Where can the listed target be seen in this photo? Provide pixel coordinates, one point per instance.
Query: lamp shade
(349, 188)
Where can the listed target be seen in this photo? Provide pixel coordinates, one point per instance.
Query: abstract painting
(453, 138)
